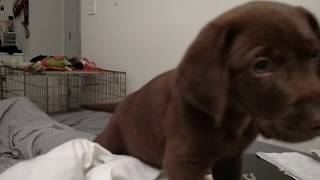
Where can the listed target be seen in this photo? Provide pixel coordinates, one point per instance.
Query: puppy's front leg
(227, 169)
(181, 166)
(179, 170)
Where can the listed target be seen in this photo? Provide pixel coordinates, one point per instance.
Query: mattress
(94, 122)
(27, 132)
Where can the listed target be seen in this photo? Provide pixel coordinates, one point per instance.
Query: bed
(36, 146)
(64, 140)
(26, 131)
(92, 122)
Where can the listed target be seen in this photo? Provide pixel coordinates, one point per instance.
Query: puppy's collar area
(317, 132)
(316, 129)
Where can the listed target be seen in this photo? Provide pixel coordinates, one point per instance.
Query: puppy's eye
(263, 66)
(315, 56)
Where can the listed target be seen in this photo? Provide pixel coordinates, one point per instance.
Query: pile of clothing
(53, 63)
(61, 63)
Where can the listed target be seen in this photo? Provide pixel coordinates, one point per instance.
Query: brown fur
(204, 113)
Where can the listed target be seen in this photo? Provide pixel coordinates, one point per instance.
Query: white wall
(143, 37)
(46, 29)
(147, 37)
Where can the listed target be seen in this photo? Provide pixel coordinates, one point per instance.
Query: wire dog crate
(63, 91)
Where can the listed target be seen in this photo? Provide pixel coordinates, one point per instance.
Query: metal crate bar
(59, 91)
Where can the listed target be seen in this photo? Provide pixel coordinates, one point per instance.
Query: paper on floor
(294, 164)
(315, 153)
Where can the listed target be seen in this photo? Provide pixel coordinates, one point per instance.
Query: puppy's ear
(312, 21)
(202, 76)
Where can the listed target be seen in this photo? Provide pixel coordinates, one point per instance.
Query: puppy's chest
(235, 143)
(240, 145)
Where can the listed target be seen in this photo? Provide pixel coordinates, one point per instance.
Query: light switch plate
(92, 7)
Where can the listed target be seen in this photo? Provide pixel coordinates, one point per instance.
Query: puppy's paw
(208, 177)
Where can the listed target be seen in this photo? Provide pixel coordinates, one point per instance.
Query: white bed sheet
(81, 160)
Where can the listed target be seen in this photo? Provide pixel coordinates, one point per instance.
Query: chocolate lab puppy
(254, 69)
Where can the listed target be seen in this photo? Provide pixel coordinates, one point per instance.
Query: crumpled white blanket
(81, 159)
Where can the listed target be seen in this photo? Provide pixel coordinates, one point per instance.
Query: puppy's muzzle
(305, 114)
(316, 120)
(311, 110)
